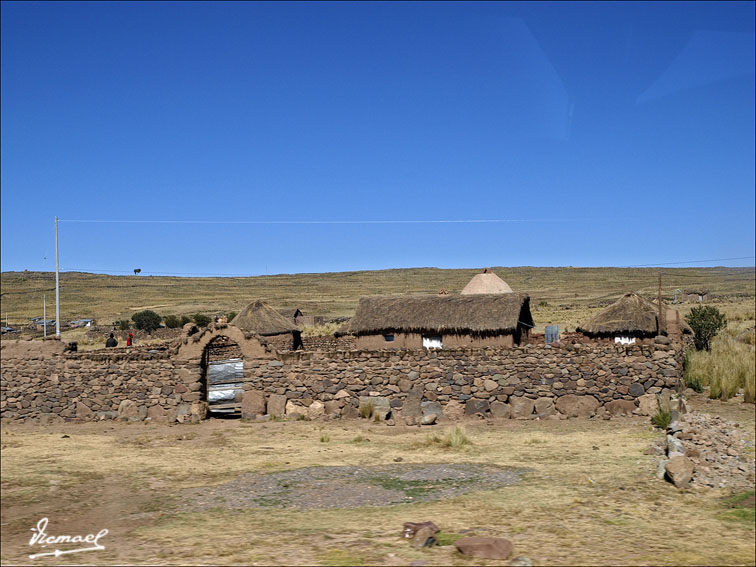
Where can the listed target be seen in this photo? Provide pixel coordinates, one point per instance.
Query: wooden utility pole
(658, 298)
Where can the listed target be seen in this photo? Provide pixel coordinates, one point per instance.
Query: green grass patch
(339, 557)
(444, 538)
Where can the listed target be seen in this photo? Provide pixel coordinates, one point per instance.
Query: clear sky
(608, 134)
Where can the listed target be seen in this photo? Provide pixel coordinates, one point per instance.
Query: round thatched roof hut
(630, 315)
(486, 283)
(259, 318)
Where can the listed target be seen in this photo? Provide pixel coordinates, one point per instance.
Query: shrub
(662, 418)
(201, 320)
(185, 320)
(172, 321)
(706, 322)
(123, 325)
(146, 320)
(727, 368)
(230, 315)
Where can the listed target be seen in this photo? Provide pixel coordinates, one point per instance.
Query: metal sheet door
(224, 385)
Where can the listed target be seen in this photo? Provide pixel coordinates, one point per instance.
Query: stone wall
(167, 384)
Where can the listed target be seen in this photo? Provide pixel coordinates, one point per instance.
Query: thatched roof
(463, 314)
(486, 282)
(291, 312)
(258, 317)
(629, 315)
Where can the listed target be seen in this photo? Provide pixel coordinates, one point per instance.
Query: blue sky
(613, 134)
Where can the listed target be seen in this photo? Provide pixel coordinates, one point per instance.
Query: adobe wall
(167, 384)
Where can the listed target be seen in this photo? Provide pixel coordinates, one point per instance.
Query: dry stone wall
(524, 382)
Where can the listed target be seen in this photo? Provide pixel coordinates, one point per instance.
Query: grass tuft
(729, 367)
(454, 438)
(325, 438)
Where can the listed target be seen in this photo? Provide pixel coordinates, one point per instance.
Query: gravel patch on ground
(350, 487)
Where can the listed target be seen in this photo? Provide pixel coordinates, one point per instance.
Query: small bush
(201, 320)
(146, 320)
(123, 325)
(366, 410)
(230, 315)
(172, 321)
(706, 321)
(661, 419)
(454, 438)
(325, 438)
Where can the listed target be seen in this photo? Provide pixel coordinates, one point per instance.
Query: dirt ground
(589, 495)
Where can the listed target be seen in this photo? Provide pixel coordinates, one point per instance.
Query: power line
(691, 262)
(305, 222)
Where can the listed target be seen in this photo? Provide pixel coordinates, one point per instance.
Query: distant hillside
(336, 294)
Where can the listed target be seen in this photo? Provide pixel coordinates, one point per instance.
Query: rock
(485, 547)
(295, 410)
(50, 419)
(473, 406)
(156, 413)
(678, 405)
(127, 409)
(636, 389)
(661, 470)
(83, 412)
(341, 394)
(620, 407)
(661, 340)
(431, 408)
(500, 410)
(679, 471)
(647, 404)
(454, 410)
(276, 405)
(521, 562)
(404, 385)
(428, 419)
(544, 407)
(332, 407)
(253, 404)
(316, 409)
(674, 445)
(522, 408)
(411, 528)
(490, 385)
(350, 412)
(572, 405)
(424, 537)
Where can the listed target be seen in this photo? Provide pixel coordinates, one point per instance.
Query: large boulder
(485, 547)
(295, 410)
(412, 403)
(500, 410)
(375, 407)
(572, 405)
(128, 410)
(473, 406)
(647, 404)
(253, 404)
(679, 470)
(332, 407)
(276, 405)
(316, 409)
(83, 411)
(431, 408)
(454, 409)
(544, 407)
(522, 407)
(620, 407)
(636, 389)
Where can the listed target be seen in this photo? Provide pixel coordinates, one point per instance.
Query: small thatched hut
(441, 321)
(259, 318)
(486, 283)
(628, 318)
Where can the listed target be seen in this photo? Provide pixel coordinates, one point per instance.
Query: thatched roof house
(441, 320)
(258, 317)
(629, 316)
(486, 283)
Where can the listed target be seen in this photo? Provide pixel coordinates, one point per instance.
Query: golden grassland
(591, 497)
(564, 296)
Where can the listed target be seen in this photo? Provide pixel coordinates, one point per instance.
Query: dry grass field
(561, 296)
(589, 497)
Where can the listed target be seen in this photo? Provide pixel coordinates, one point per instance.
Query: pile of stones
(707, 451)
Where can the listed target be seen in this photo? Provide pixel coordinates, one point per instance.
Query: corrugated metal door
(224, 385)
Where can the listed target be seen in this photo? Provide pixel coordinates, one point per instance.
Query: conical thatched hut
(441, 321)
(631, 316)
(486, 283)
(259, 318)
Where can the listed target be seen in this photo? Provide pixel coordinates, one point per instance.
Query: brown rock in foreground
(485, 547)
(253, 404)
(679, 470)
(577, 406)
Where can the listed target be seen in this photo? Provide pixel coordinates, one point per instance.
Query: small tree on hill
(146, 320)
(201, 320)
(706, 322)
